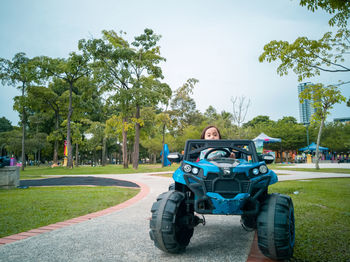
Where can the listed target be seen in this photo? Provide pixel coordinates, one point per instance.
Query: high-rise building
(305, 108)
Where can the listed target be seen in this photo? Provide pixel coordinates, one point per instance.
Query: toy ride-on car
(223, 177)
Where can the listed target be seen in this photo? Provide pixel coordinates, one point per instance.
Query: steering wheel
(228, 153)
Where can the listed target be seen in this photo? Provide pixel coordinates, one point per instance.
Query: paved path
(322, 165)
(296, 175)
(123, 235)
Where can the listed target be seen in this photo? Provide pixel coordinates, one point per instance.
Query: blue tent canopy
(312, 147)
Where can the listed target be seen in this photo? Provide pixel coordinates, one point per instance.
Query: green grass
(322, 218)
(39, 172)
(25, 209)
(321, 170)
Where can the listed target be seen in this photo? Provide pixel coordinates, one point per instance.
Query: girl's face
(211, 133)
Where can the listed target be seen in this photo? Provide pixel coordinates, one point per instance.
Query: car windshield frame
(195, 146)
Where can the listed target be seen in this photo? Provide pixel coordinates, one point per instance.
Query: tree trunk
(104, 142)
(124, 148)
(76, 154)
(163, 157)
(55, 153)
(318, 144)
(55, 147)
(130, 156)
(69, 144)
(135, 160)
(281, 154)
(23, 131)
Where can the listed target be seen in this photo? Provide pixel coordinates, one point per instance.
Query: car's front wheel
(170, 228)
(275, 224)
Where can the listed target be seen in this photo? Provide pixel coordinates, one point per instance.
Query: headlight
(195, 170)
(263, 169)
(187, 168)
(255, 171)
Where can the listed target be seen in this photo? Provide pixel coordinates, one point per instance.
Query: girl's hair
(205, 130)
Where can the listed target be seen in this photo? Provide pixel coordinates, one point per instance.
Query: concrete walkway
(322, 165)
(123, 234)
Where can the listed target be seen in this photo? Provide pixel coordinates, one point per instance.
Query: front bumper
(228, 196)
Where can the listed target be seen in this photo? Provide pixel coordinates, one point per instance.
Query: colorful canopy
(266, 139)
(312, 147)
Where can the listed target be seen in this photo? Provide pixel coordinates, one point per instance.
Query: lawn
(39, 172)
(322, 218)
(25, 209)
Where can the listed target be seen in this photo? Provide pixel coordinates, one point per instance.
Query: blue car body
(224, 185)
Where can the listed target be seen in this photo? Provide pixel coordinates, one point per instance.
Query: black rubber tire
(248, 222)
(166, 230)
(275, 224)
(171, 186)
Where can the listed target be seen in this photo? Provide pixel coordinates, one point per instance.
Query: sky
(217, 42)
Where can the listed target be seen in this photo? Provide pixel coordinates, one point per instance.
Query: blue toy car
(218, 183)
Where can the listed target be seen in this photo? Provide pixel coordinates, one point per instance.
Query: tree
(146, 88)
(131, 73)
(50, 100)
(291, 133)
(308, 58)
(259, 120)
(77, 139)
(117, 126)
(336, 136)
(69, 70)
(323, 97)
(21, 70)
(183, 107)
(339, 7)
(111, 61)
(211, 114)
(36, 143)
(95, 143)
(164, 119)
(239, 111)
(12, 141)
(5, 125)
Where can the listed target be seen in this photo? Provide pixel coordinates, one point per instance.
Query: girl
(212, 133)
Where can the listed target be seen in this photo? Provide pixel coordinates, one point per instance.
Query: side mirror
(267, 158)
(175, 157)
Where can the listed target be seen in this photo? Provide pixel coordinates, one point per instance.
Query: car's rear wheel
(275, 224)
(169, 226)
